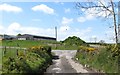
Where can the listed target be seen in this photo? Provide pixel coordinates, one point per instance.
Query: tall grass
(101, 60)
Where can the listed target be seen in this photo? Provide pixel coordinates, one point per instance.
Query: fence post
(17, 49)
(24, 52)
(17, 52)
(4, 52)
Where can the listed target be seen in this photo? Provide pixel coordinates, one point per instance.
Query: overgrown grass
(101, 59)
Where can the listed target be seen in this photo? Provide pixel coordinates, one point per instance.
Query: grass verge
(101, 59)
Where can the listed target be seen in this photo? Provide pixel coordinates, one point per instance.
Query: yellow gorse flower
(37, 48)
(87, 48)
(91, 49)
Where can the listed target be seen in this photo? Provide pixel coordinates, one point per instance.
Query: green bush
(73, 41)
(101, 59)
(34, 61)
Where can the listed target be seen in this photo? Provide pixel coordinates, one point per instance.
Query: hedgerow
(33, 60)
(101, 59)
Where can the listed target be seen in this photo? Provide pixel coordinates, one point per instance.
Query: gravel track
(63, 63)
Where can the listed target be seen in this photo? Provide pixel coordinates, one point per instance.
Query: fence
(12, 51)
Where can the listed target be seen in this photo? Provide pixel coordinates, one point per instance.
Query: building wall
(1, 37)
(5, 37)
(22, 39)
(32, 37)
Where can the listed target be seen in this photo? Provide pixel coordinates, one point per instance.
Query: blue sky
(40, 18)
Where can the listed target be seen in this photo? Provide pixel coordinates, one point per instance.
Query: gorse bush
(116, 50)
(101, 59)
(85, 48)
(34, 60)
(40, 49)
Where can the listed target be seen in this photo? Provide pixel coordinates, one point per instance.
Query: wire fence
(12, 51)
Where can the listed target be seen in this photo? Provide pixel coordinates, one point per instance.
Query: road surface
(63, 63)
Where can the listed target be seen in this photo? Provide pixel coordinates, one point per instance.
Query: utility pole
(119, 22)
(119, 33)
(56, 33)
(56, 37)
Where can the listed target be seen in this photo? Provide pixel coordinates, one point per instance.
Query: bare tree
(101, 41)
(101, 8)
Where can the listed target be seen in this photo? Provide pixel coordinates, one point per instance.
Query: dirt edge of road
(89, 69)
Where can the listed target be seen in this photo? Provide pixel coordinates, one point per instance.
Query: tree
(101, 41)
(74, 41)
(19, 35)
(101, 8)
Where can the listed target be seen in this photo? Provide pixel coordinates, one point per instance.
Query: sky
(41, 18)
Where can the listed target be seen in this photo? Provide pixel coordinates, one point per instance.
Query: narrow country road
(63, 63)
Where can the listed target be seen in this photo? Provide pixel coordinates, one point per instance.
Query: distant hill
(74, 41)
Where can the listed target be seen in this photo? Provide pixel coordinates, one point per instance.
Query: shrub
(87, 49)
(101, 59)
(36, 60)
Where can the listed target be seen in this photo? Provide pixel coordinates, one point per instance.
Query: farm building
(34, 37)
(7, 37)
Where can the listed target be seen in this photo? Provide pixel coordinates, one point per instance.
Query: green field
(26, 43)
(29, 43)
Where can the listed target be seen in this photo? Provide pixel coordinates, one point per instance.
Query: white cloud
(67, 10)
(94, 37)
(87, 15)
(82, 33)
(1, 27)
(43, 8)
(65, 24)
(58, 2)
(13, 28)
(85, 18)
(63, 32)
(16, 28)
(66, 21)
(10, 8)
(110, 34)
(64, 28)
(94, 12)
(81, 19)
(102, 12)
(104, 2)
